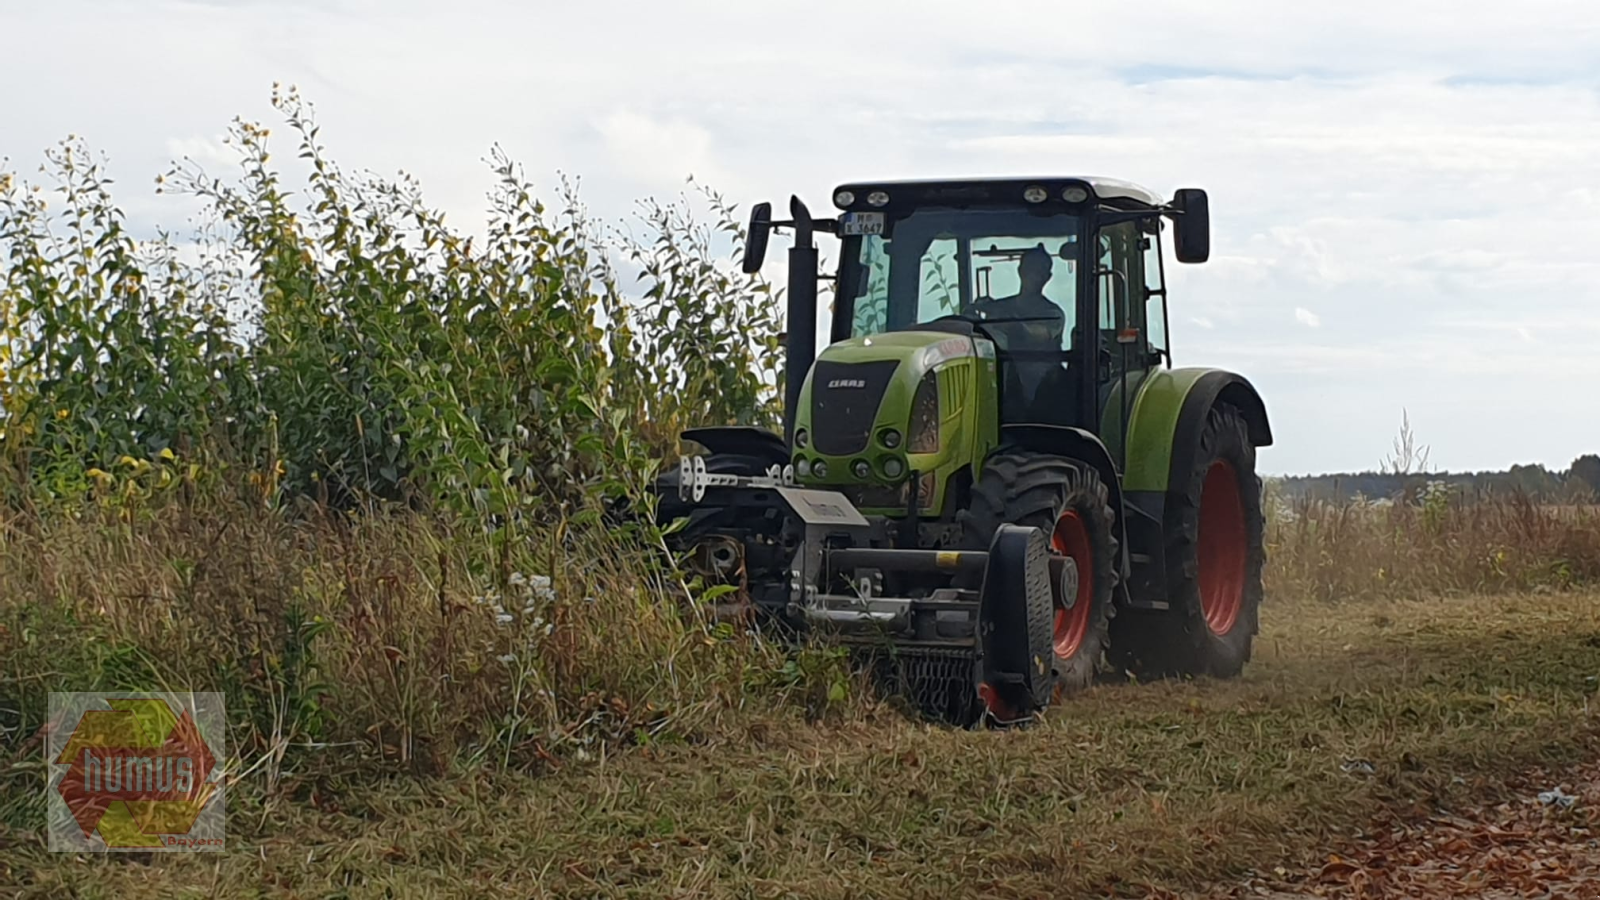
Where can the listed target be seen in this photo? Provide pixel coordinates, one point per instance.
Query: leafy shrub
(359, 349)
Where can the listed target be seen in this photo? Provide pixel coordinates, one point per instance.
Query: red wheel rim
(1222, 548)
(1071, 539)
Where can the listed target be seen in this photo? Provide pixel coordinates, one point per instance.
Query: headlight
(802, 467)
(802, 439)
(861, 469)
(925, 416)
(890, 438)
(893, 467)
(820, 468)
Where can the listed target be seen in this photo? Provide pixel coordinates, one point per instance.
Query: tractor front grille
(844, 403)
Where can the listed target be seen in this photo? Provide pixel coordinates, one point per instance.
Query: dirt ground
(1543, 840)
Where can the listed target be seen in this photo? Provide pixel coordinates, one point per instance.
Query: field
(730, 771)
(373, 479)
(1174, 785)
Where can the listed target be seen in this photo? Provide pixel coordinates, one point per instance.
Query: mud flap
(1015, 658)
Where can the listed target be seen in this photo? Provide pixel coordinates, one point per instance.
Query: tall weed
(1439, 542)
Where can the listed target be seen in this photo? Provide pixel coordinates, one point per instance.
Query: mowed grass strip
(1345, 710)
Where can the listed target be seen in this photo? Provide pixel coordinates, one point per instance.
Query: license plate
(862, 223)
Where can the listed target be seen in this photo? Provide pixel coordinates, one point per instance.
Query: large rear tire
(1214, 556)
(1069, 502)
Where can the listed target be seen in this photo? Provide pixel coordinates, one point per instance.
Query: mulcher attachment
(1015, 658)
(963, 634)
(1006, 674)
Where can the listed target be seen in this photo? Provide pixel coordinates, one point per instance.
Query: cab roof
(1002, 191)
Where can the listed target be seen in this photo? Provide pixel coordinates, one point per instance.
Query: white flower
(504, 618)
(508, 659)
(518, 579)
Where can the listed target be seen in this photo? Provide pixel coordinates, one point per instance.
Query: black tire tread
(1023, 488)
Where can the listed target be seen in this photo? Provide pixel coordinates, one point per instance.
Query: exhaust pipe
(801, 349)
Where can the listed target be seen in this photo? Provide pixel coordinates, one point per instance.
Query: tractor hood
(874, 409)
(922, 349)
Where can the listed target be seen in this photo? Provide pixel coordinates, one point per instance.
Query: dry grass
(418, 649)
(1172, 784)
(398, 739)
(1439, 545)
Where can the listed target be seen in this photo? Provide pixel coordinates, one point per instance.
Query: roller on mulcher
(992, 483)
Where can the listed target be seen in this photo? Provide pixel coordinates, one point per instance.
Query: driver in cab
(1027, 323)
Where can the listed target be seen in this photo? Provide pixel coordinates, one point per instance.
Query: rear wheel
(1069, 502)
(1214, 556)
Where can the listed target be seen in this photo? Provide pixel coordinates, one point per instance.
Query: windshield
(1009, 268)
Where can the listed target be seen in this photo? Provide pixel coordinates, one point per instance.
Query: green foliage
(108, 347)
(1586, 470)
(1435, 503)
(818, 676)
(342, 342)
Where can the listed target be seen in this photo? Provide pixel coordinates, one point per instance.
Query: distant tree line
(1579, 483)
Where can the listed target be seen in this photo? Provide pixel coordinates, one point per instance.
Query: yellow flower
(61, 414)
(166, 453)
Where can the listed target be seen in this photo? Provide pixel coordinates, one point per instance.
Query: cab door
(1130, 300)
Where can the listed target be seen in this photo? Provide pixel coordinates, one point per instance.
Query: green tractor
(992, 483)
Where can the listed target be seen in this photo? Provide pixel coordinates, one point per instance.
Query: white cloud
(209, 152)
(1307, 317)
(655, 151)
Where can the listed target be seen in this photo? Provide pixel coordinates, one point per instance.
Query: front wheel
(1069, 502)
(1214, 555)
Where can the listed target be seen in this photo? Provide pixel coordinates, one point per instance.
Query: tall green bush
(342, 341)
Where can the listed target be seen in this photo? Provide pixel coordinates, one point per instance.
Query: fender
(1084, 446)
(1209, 390)
(1164, 431)
(740, 440)
(1164, 427)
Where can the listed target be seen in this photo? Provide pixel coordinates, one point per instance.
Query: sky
(1405, 197)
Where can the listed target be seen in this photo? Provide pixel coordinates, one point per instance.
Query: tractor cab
(1063, 275)
(963, 307)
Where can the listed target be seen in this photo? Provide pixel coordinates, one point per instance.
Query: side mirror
(1191, 226)
(755, 249)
